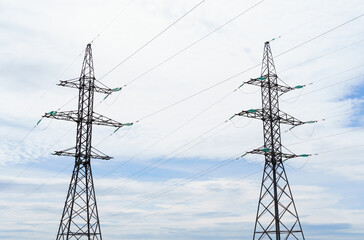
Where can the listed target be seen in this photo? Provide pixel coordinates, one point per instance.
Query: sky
(174, 174)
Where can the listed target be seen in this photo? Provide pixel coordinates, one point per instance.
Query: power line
(151, 165)
(248, 69)
(313, 20)
(195, 176)
(225, 80)
(164, 159)
(219, 188)
(174, 186)
(179, 52)
(326, 136)
(224, 163)
(143, 46)
(331, 85)
(319, 80)
(178, 128)
(190, 199)
(197, 93)
(143, 169)
(161, 160)
(189, 179)
(194, 43)
(184, 125)
(338, 73)
(320, 35)
(25, 137)
(340, 149)
(328, 151)
(112, 21)
(186, 122)
(195, 197)
(151, 40)
(48, 180)
(37, 189)
(323, 55)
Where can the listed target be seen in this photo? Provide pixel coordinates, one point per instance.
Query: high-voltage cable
(151, 40)
(250, 68)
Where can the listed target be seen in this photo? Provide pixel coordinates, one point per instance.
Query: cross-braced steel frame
(277, 216)
(80, 218)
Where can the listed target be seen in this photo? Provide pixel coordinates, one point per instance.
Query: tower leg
(80, 216)
(277, 216)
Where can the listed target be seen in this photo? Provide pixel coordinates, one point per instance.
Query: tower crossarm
(97, 119)
(75, 83)
(283, 117)
(267, 151)
(65, 115)
(251, 113)
(95, 154)
(288, 119)
(261, 81)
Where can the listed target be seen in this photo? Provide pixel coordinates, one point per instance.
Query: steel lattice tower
(80, 218)
(277, 216)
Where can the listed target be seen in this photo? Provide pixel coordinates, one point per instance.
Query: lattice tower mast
(277, 216)
(80, 219)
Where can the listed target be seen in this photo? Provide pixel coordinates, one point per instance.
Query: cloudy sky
(173, 175)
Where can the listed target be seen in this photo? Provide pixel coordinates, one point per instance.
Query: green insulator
(241, 85)
(106, 96)
(252, 110)
(116, 129)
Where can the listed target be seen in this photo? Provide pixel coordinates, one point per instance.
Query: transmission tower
(80, 218)
(277, 216)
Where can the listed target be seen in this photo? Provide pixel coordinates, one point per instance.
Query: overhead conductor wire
(318, 36)
(248, 69)
(151, 40)
(193, 43)
(311, 39)
(143, 46)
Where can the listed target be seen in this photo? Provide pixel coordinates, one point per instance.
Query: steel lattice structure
(277, 216)
(80, 218)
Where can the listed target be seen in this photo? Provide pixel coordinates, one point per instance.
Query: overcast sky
(316, 45)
